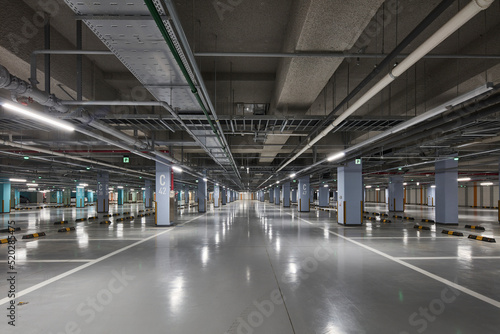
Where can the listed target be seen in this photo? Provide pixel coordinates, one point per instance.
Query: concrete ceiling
(297, 92)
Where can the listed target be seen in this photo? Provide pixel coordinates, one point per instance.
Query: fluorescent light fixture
(277, 182)
(336, 156)
(177, 169)
(80, 187)
(17, 180)
(463, 179)
(216, 184)
(120, 187)
(143, 188)
(487, 183)
(368, 187)
(132, 189)
(377, 189)
(433, 186)
(38, 116)
(248, 170)
(110, 188)
(418, 183)
(32, 184)
(205, 179)
(405, 184)
(293, 175)
(326, 186)
(83, 185)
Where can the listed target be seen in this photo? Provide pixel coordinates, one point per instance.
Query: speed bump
(141, 210)
(141, 215)
(105, 222)
(6, 241)
(384, 215)
(34, 235)
(480, 238)
(475, 227)
(386, 221)
(80, 219)
(458, 234)
(92, 218)
(126, 213)
(397, 217)
(10, 230)
(409, 218)
(427, 228)
(107, 216)
(116, 214)
(66, 229)
(427, 221)
(376, 213)
(61, 222)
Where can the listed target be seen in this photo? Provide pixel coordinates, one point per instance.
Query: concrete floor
(229, 270)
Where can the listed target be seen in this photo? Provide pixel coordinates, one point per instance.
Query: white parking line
(415, 268)
(86, 265)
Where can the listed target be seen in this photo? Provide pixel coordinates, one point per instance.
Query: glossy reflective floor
(252, 267)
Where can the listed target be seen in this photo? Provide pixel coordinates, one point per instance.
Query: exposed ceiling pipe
(337, 54)
(197, 73)
(33, 71)
(161, 26)
(416, 120)
(462, 17)
(145, 104)
(67, 156)
(19, 87)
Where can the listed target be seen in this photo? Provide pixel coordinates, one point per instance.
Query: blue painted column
(303, 194)
(102, 194)
(17, 197)
(148, 194)
(59, 196)
(277, 199)
(447, 191)
(324, 196)
(163, 185)
(350, 194)
(286, 194)
(90, 197)
(202, 195)
(396, 193)
(294, 195)
(80, 197)
(5, 196)
(186, 195)
(216, 196)
(271, 195)
(121, 195)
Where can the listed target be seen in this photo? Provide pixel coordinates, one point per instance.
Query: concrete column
(80, 197)
(350, 194)
(121, 195)
(148, 193)
(294, 195)
(223, 196)
(286, 194)
(202, 195)
(163, 186)
(277, 195)
(396, 193)
(271, 195)
(324, 196)
(216, 196)
(5, 196)
(311, 195)
(67, 196)
(431, 196)
(447, 192)
(303, 193)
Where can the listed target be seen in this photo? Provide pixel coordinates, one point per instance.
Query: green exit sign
(358, 161)
(126, 160)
